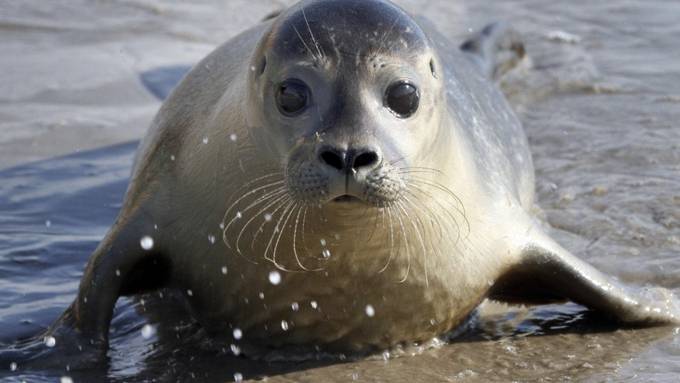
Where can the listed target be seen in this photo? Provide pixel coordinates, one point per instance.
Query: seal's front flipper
(497, 49)
(126, 262)
(547, 273)
(62, 346)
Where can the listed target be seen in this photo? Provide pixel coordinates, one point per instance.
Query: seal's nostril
(333, 159)
(346, 160)
(365, 159)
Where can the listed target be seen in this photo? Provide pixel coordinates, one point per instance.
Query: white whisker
(460, 207)
(408, 252)
(226, 214)
(283, 229)
(295, 253)
(277, 229)
(280, 203)
(389, 259)
(274, 199)
(424, 254)
(304, 43)
(316, 43)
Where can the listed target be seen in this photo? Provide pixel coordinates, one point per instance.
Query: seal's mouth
(346, 198)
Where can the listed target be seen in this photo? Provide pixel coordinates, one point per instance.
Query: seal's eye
(292, 97)
(402, 98)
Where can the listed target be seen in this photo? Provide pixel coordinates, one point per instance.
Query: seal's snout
(343, 173)
(357, 174)
(349, 161)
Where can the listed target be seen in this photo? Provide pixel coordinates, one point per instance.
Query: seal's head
(348, 94)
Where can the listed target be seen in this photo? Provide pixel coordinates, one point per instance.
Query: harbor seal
(338, 178)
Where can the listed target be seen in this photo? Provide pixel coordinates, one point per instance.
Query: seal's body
(340, 178)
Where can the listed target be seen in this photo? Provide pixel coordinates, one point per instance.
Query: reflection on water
(600, 107)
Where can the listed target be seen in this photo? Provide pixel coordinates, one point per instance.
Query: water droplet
(190, 293)
(465, 374)
(65, 379)
(386, 355)
(172, 157)
(146, 242)
(236, 350)
(261, 295)
(267, 217)
(275, 278)
(13, 366)
(224, 270)
(510, 349)
(238, 334)
(211, 239)
(314, 304)
(118, 272)
(48, 223)
(370, 311)
(239, 215)
(50, 341)
(205, 140)
(355, 376)
(326, 253)
(233, 137)
(148, 331)
(252, 68)
(284, 325)
(222, 226)
(323, 242)
(295, 306)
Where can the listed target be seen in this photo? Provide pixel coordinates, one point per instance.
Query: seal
(337, 178)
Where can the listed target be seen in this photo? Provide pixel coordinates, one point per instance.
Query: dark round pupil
(291, 97)
(402, 98)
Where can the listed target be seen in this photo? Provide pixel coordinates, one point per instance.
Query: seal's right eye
(292, 97)
(402, 98)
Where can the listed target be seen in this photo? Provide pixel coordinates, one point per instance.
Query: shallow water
(601, 113)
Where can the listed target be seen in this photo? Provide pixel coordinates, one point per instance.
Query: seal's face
(341, 90)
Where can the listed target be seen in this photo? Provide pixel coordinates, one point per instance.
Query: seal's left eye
(292, 97)
(402, 98)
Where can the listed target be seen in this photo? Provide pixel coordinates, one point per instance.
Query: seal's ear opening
(263, 65)
(433, 68)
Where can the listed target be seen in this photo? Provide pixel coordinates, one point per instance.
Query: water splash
(238, 334)
(274, 278)
(146, 243)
